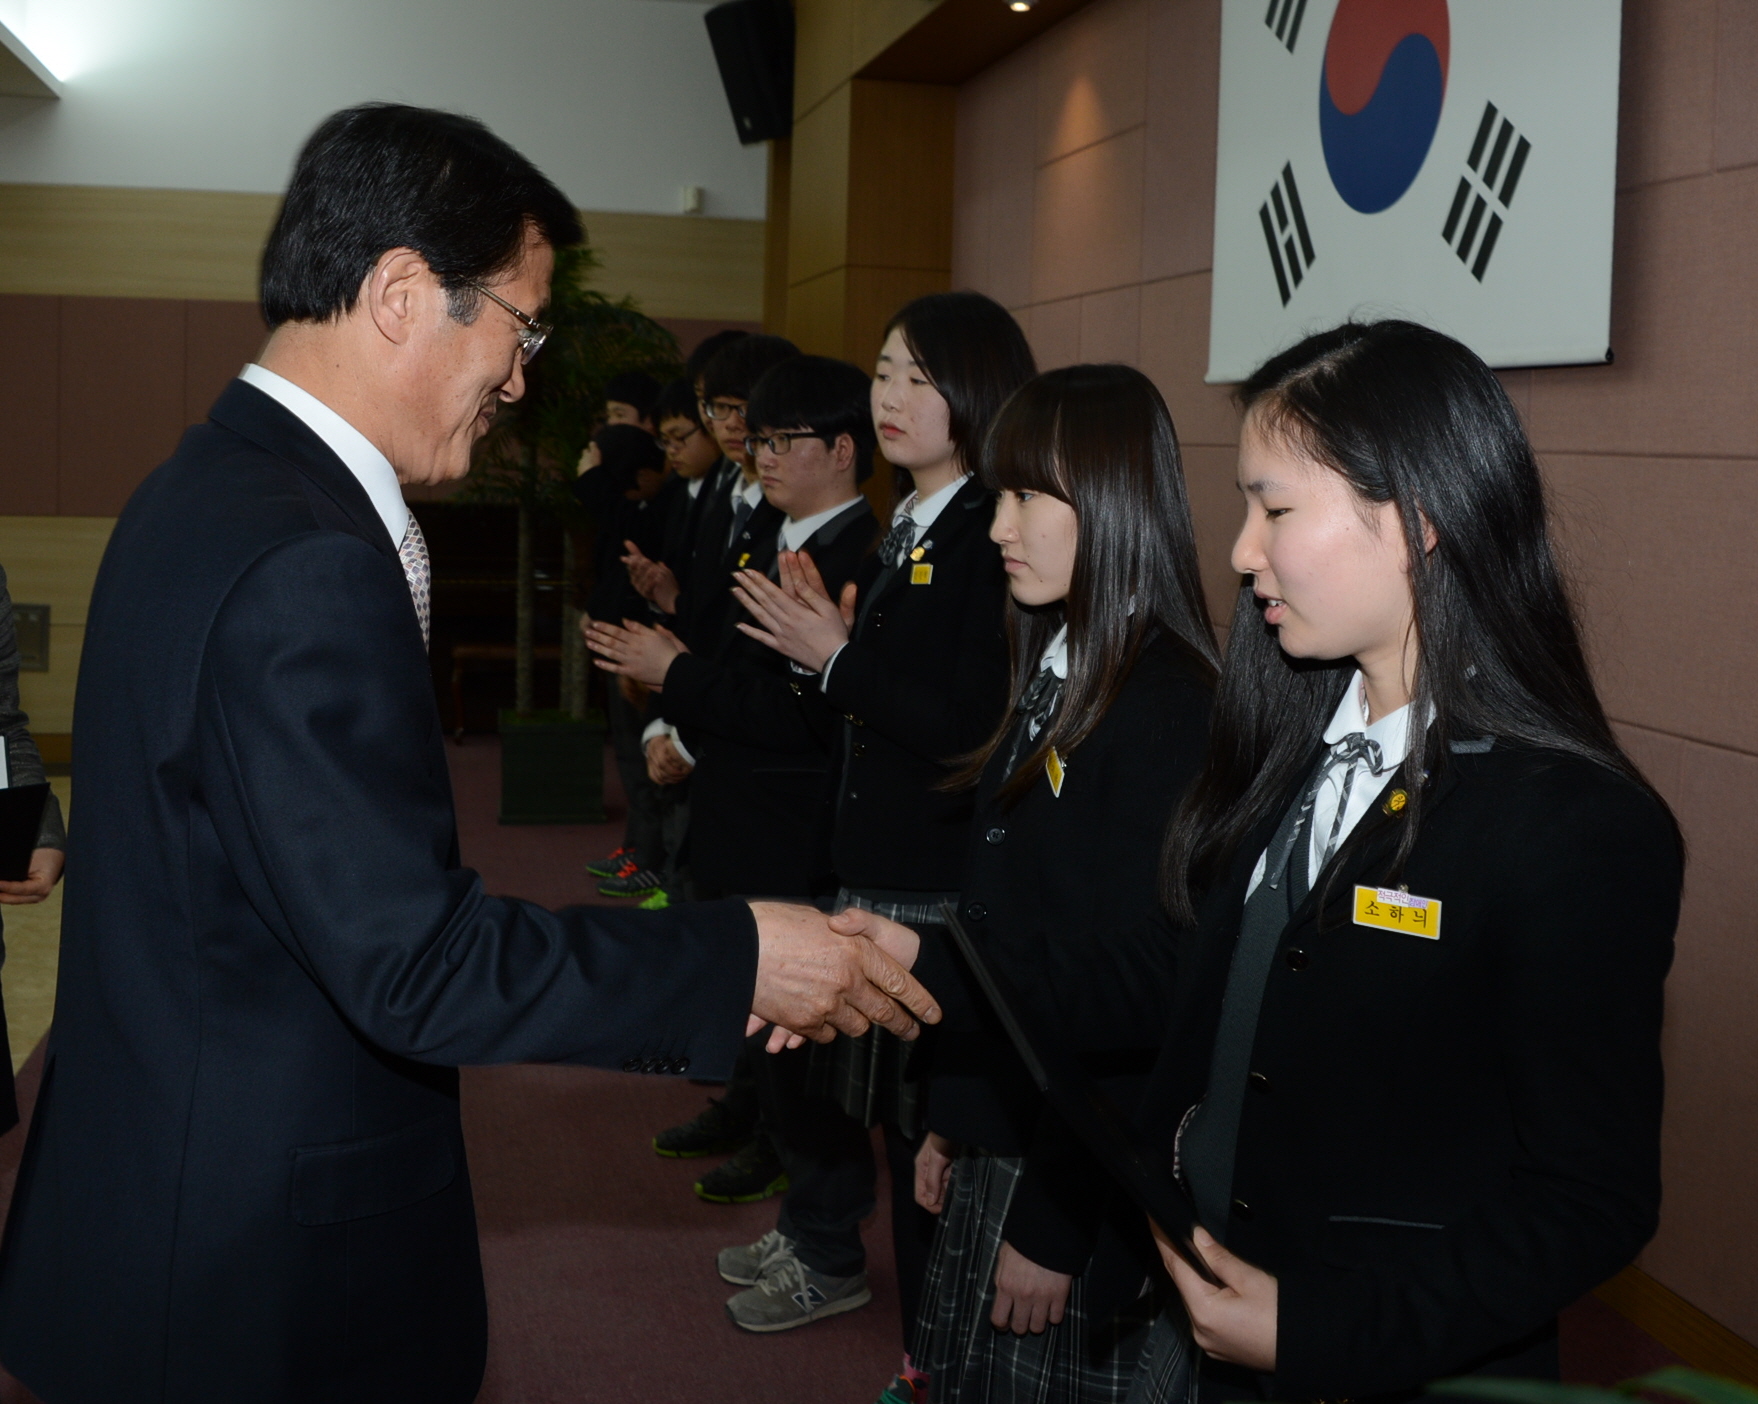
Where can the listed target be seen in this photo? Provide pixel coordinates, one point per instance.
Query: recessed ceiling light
(1019, 7)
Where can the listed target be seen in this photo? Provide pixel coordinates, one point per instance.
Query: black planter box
(552, 769)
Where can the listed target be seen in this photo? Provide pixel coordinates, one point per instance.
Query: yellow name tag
(921, 575)
(1398, 911)
(1053, 769)
(744, 560)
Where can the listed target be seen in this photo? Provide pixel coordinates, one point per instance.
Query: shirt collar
(357, 452)
(796, 534)
(1391, 731)
(923, 510)
(1056, 655)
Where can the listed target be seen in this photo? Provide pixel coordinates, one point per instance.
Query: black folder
(21, 820)
(1084, 1107)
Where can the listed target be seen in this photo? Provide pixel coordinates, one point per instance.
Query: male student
(629, 397)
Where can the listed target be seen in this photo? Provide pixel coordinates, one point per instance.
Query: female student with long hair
(1113, 666)
(1414, 1076)
(911, 673)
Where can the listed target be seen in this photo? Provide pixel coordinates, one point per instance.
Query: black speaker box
(754, 46)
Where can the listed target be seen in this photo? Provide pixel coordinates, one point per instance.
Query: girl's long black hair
(1410, 416)
(1101, 439)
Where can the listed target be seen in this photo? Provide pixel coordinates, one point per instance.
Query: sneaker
(611, 864)
(754, 1173)
(631, 881)
(744, 1265)
(657, 901)
(901, 1391)
(716, 1131)
(790, 1294)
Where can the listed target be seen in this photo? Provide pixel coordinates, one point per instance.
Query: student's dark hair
(635, 388)
(677, 401)
(625, 448)
(734, 369)
(830, 397)
(706, 349)
(973, 353)
(1409, 416)
(382, 176)
(1101, 439)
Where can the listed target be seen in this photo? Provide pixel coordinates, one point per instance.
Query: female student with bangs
(1113, 666)
(1413, 1081)
(908, 672)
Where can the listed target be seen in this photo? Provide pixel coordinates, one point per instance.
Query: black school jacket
(1449, 1139)
(761, 790)
(1062, 893)
(923, 680)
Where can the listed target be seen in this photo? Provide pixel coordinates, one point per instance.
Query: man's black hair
(677, 401)
(624, 448)
(707, 349)
(829, 397)
(740, 364)
(635, 388)
(382, 176)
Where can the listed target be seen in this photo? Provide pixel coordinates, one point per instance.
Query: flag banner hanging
(1455, 164)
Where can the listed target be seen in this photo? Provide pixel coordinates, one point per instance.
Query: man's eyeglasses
(532, 333)
(778, 444)
(677, 441)
(722, 409)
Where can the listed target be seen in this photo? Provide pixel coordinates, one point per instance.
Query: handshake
(818, 976)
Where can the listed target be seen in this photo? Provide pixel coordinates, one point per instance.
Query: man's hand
(934, 1171)
(813, 983)
(633, 650)
(1235, 1323)
(1027, 1297)
(664, 765)
(653, 580)
(796, 620)
(896, 940)
(39, 881)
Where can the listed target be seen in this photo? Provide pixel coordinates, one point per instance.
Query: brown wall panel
(1666, 126)
(30, 350)
(901, 163)
(220, 339)
(121, 397)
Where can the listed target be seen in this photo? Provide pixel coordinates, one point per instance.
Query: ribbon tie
(898, 540)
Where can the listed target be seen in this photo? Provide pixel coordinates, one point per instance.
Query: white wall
(618, 101)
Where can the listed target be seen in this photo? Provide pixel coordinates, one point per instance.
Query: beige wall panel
(901, 161)
(815, 311)
(53, 561)
(775, 235)
(1055, 333)
(1666, 92)
(1736, 84)
(1086, 236)
(817, 239)
(996, 177)
(1178, 214)
(47, 698)
(1092, 77)
(1110, 326)
(824, 38)
(681, 265)
(1174, 352)
(874, 296)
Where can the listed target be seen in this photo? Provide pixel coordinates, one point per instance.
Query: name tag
(744, 560)
(1053, 769)
(921, 575)
(1398, 911)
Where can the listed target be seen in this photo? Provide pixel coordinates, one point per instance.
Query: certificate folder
(21, 820)
(1085, 1108)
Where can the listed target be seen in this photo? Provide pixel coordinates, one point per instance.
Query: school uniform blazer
(761, 790)
(700, 564)
(1447, 1140)
(1062, 893)
(923, 680)
(245, 1177)
(620, 520)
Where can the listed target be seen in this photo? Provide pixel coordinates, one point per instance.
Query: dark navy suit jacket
(245, 1177)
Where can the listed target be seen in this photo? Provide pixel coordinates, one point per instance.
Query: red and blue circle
(1380, 97)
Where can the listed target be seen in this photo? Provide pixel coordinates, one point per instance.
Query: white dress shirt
(361, 456)
(1392, 732)
(795, 534)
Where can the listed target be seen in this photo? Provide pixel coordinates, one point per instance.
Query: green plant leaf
(1693, 1384)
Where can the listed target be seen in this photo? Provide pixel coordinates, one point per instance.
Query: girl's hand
(1235, 1323)
(634, 650)
(1027, 1297)
(795, 620)
(653, 580)
(894, 938)
(934, 1171)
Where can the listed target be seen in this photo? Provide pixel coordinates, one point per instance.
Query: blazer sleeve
(1588, 901)
(24, 764)
(737, 699)
(321, 763)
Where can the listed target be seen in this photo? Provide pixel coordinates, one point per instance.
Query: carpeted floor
(599, 1260)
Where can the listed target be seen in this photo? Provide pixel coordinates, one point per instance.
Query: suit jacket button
(975, 911)
(1241, 1210)
(995, 835)
(631, 1065)
(1259, 1083)
(1298, 959)
(680, 1065)
(860, 748)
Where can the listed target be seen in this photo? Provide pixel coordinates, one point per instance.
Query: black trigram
(1285, 231)
(1284, 18)
(1479, 194)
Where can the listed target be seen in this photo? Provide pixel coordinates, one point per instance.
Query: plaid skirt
(868, 1077)
(966, 1359)
(1165, 1373)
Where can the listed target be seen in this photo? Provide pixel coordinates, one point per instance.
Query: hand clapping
(798, 617)
(633, 650)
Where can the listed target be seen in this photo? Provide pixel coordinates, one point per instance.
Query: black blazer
(923, 679)
(245, 1177)
(699, 559)
(761, 790)
(619, 520)
(1062, 893)
(1449, 1139)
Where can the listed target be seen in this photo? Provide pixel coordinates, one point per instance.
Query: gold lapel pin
(918, 553)
(1395, 802)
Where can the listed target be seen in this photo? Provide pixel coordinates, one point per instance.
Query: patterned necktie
(418, 572)
(898, 540)
(1350, 751)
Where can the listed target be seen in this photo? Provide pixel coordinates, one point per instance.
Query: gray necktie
(418, 571)
(741, 515)
(898, 540)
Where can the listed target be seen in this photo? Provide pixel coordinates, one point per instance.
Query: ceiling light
(1019, 7)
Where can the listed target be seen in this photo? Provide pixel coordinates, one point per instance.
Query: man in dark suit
(245, 1178)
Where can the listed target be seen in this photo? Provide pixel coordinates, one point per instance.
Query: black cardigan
(1448, 1140)
(922, 681)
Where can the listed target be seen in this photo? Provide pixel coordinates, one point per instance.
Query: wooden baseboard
(1689, 1333)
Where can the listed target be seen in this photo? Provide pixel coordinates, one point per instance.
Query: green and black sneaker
(754, 1173)
(610, 865)
(716, 1131)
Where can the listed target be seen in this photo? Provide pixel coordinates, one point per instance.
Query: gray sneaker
(742, 1266)
(790, 1294)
